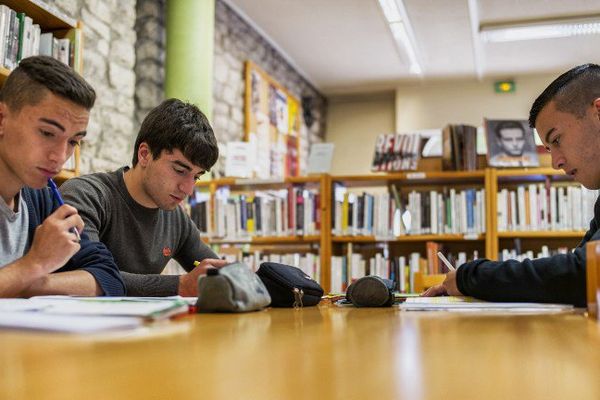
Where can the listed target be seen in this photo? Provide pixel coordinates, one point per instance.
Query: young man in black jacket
(567, 118)
(44, 112)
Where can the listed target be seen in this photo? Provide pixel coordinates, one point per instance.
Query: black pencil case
(288, 286)
(371, 291)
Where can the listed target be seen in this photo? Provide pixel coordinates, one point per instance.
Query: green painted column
(190, 52)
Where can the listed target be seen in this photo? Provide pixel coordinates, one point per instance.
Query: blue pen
(58, 198)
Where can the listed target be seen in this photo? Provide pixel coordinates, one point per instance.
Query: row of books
(21, 38)
(401, 269)
(396, 152)
(459, 148)
(309, 263)
(517, 254)
(539, 207)
(293, 211)
(432, 212)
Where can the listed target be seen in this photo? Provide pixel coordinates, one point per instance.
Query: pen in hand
(60, 201)
(445, 261)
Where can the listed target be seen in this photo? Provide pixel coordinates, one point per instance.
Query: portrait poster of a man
(510, 143)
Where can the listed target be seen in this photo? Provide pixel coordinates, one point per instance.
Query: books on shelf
(543, 207)
(20, 38)
(399, 268)
(384, 214)
(308, 262)
(459, 148)
(517, 254)
(294, 211)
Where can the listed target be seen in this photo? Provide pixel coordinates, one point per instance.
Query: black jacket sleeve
(557, 279)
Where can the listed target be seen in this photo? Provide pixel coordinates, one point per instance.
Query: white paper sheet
(65, 323)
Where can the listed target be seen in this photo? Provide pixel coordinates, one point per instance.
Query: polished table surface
(322, 352)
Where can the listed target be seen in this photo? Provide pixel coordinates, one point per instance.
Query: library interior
(275, 199)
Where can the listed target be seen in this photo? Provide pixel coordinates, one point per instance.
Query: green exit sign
(504, 86)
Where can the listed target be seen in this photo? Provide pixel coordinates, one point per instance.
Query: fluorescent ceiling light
(541, 30)
(390, 10)
(399, 24)
(401, 35)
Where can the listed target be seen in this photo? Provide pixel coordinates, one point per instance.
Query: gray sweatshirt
(142, 240)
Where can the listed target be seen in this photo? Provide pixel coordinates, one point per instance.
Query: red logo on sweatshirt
(167, 252)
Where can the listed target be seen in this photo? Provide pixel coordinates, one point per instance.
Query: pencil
(445, 261)
(60, 201)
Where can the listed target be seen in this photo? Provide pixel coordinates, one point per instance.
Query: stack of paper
(86, 314)
(65, 323)
(465, 303)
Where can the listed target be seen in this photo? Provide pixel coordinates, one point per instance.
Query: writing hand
(53, 242)
(448, 287)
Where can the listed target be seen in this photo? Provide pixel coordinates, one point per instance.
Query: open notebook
(86, 314)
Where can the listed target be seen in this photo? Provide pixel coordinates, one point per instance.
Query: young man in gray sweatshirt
(135, 211)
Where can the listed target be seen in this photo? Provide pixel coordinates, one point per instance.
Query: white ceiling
(346, 45)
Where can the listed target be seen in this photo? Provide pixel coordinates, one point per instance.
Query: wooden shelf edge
(407, 238)
(541, 235)
(42, 13)
(529, 171)
(260, 182)
(266, 240)
(410, 176)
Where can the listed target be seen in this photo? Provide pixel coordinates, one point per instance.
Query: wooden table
(316, 353)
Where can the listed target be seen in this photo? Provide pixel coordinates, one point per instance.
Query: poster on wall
(272, 124)
(510, 143)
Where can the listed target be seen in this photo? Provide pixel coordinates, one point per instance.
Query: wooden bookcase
(318, 242)
(486, 243)
(62, 26)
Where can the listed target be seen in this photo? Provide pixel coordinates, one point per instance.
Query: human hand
(54, 242)
(448, 287)
(188, 283)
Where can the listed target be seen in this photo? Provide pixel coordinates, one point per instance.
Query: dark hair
(572, 92)
(174, 124)
(26, 84)
(507, 125)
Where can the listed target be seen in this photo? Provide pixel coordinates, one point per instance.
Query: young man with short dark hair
(567, 118)
(44, 112)
(135, 211)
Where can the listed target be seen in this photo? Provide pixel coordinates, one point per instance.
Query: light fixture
(395, 13)
(539, 30)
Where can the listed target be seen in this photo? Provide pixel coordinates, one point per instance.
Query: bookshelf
(547, 223)
(487, 241)
(301, 203)
(62, 27)
(392, 248)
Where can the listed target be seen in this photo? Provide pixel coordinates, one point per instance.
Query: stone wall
(150, 54)
(109, 60)
(128, 75)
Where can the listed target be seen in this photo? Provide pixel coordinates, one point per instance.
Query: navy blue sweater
(557, 279)
(93, 257)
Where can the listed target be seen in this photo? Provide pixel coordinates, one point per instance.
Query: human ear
(596, 105)
(3, 111)
(144, 154)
